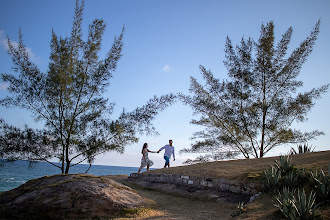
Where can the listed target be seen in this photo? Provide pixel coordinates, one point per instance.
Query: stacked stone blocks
(221, 184)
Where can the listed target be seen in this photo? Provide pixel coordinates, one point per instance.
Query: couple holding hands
(145, 161)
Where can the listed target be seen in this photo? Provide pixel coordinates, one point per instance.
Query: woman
(145, 161)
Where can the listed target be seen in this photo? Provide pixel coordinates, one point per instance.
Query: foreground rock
(69, 196)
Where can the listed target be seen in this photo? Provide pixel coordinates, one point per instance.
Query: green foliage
(68, 98)
(281, 174)
(240, 209)
(252, 111)
(200, 159)
(303, 175)
(285, 175)
(302, 149)
(215, 156)
(284, 165)
(321, 184)
(291, 179)
(296, 205)
(285, 203)
(272, 179)
(240, 206)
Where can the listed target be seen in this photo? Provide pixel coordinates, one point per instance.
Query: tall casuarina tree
(69, 98)
(253, 110)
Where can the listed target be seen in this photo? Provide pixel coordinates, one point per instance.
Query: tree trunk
(264, 112)
(63, 159)
(90, 165)
(67, 167)
(67, 156)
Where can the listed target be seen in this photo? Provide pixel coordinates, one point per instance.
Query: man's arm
(160, 149)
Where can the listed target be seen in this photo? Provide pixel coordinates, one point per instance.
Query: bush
(296, 205)
(284, 165)
(321, 184)
(290, 179)
(302, 149)
(272, 179)
(282, 174)
(240, 209)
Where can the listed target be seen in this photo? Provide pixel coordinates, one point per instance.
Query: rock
(254, 197)
(69, 196)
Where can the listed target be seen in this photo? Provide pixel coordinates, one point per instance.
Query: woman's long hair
(144, 146)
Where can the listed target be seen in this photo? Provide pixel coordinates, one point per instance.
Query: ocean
(14, 174)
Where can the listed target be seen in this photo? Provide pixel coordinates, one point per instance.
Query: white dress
(145, 161)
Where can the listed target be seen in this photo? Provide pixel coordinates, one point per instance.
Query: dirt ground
(167, 205)
(175, 206)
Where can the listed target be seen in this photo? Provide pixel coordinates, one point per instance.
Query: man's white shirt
(169, 150)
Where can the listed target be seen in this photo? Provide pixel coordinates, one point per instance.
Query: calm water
(14, 174)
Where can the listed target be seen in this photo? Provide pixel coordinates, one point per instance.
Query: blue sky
(164, 44)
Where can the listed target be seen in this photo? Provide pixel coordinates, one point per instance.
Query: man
(169, 150)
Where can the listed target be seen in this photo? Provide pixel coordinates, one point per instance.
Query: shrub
(272, 179)
(302, 149)
(296, 205)
(302, 174)
(290, 179)
(284, 165)
(321, 184)
(240, 209)
(282, 174)
(285, 203)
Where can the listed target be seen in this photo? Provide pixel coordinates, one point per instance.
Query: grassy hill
(242, 169)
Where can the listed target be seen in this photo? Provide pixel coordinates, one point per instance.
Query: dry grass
(241, 169)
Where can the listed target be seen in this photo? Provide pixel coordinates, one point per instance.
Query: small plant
(302, 174)
(302, 149)
(241, 209)
(285, 203)
(240, 206)
(321, 184)
(296, 205)
(284, 165)
(273, 177)
(306, 206)
(290, 179)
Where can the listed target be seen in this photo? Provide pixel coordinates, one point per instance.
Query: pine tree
(69, 99)
(252, 111)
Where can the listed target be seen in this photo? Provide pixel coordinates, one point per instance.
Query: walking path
(177, 206)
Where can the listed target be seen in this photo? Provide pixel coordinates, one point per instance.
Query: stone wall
(248, 188)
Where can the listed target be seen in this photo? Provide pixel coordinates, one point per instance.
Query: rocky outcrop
(69, 196)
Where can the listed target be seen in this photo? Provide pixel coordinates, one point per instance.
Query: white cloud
(4, 86)
(4, 42)
(166, 68)
(4, 45)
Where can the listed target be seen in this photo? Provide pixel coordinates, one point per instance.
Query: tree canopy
(69, 99)
(253, 110)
